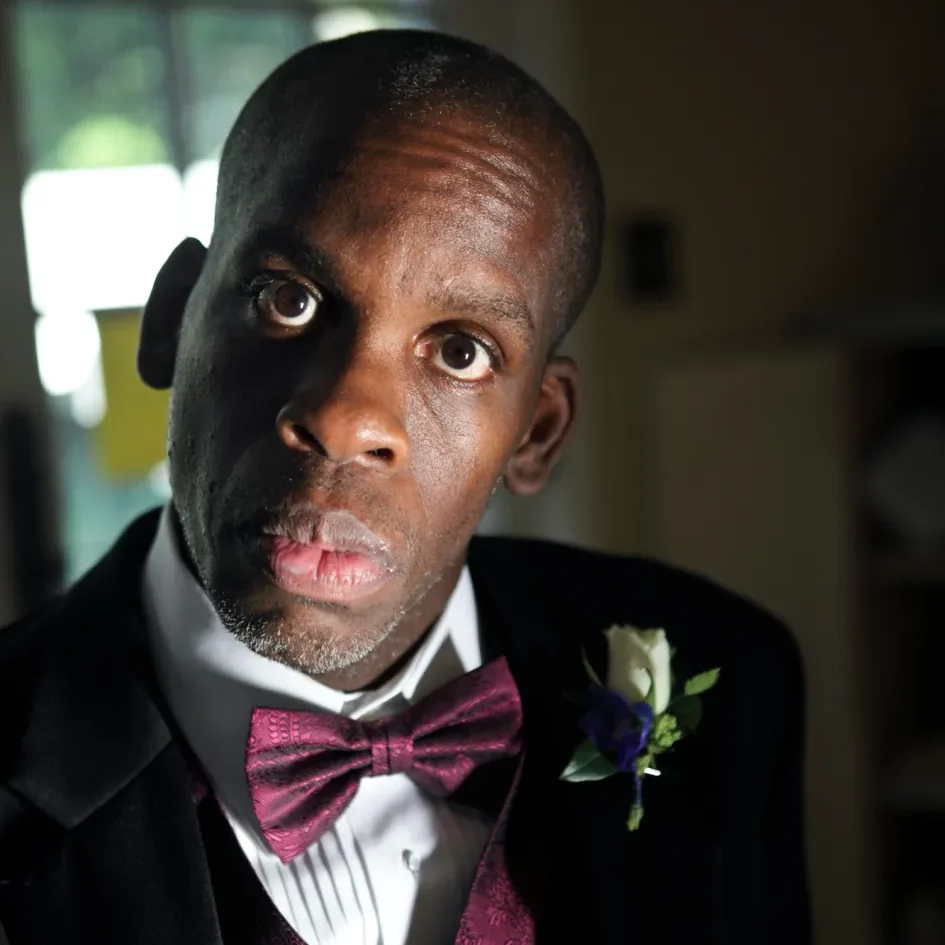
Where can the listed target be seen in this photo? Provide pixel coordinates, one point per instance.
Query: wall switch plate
(649, 247)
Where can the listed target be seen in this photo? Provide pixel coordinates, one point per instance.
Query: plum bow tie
(304, 768)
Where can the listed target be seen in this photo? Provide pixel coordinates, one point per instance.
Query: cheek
(211, 419)
(460, 445)
(193, 383)
(235, 397)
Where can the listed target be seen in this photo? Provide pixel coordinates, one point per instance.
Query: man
(304, 703)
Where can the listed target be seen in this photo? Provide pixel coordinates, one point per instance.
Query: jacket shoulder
(79, 627)
(22, 643)
(636, 590)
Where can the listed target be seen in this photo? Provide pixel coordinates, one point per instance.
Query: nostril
(383, 454)
(305, 438)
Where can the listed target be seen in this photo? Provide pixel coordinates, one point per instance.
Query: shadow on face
(354, 374)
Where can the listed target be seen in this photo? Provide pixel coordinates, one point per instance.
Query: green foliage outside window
(86, 74)
(108, 85)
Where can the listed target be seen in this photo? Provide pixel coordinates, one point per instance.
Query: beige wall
(799, 148)
(759, 502)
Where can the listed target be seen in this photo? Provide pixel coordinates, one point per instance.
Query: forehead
(417, 204)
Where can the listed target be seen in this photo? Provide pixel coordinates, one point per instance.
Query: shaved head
(306, 122)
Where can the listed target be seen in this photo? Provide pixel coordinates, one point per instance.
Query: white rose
(636, 658)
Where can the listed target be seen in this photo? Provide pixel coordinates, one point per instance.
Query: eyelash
(249, 288)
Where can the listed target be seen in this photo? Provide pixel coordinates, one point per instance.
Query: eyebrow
(504, 307)
(288, 244)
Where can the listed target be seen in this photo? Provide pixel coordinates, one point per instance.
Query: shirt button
(411, 861)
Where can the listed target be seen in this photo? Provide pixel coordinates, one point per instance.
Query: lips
(319, 572)
(328, 556)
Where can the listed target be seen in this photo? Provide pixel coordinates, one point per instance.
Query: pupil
(291, 301)
(458, 352)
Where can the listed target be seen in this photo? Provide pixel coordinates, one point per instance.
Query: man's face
(353, 378)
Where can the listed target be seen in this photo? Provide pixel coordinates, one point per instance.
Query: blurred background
(764, 359)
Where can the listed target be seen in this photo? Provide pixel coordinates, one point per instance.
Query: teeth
(303, 565)
(298, 570)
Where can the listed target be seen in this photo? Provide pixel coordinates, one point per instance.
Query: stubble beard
(314, 651)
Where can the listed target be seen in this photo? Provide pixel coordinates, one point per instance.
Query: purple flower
(617, 727)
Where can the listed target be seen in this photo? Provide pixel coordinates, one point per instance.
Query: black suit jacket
(99, 839)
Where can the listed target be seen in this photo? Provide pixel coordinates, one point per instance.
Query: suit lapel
(118, 851)
(496, 913)
(133, 873)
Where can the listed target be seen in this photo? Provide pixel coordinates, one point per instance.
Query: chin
(314, 640)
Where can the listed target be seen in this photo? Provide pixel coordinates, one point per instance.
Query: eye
(462, 357)
(287, 304)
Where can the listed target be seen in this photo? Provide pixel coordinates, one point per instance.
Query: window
(124, 110)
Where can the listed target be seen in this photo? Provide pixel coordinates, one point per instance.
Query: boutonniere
(637, 715)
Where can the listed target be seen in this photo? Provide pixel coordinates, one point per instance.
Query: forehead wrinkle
(514, 178)
(521, 170)
(396, 224)
(413, 197)
(507, 178)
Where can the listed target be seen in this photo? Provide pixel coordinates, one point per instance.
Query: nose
(358, 422)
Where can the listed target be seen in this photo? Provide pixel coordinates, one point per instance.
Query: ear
(164, 312)
(542, 446)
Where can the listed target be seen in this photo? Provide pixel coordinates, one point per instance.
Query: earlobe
(542, 446)
(164, 312)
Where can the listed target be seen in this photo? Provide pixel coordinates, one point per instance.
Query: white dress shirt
(397, 865)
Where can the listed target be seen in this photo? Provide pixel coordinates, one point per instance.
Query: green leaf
(588, 764)
(636, 816)
(688, 712)
(702, 683)
(590, 669)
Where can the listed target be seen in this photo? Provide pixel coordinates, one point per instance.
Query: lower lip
(320, 573)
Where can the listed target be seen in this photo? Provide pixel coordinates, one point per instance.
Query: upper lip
(334, 529)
